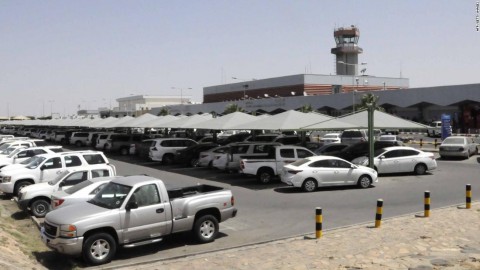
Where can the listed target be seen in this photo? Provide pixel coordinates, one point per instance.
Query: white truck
(22, 154)
(46, 167)
(37, 197)
(132, 211)
(435, 129)
(266, 168)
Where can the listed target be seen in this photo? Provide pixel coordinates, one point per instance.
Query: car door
(149, 220)
(407, 160)
(322, 171)
(50, 169)
(287, 156)
(342, 172)
(389, 162)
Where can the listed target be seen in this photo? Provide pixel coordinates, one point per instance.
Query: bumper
(6, 187)
(452, 153)
(228, 213)
(22, 204)
(65, 246)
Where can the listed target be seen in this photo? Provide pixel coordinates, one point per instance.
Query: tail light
(232, 201)
(242, 165)
(57, 202)
(203, 156)
(294, 171)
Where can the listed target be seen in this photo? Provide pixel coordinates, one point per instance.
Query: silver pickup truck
(132, 211)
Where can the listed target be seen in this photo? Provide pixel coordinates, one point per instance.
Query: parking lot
(275, 211)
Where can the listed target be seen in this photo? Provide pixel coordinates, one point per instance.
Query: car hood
(74, 213)
(38, 187)
(13, 168)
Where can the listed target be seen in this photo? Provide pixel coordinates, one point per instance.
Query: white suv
(164, 149)
(22, 154)
(46, 167)
(79, 138)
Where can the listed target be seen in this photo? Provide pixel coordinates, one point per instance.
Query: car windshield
(378, 152)
(15, 152)
(299, 162)
(4, 146)
(111, 196)
(8, 150)
(26, 161)
(35, 162)
(58, 178)
(78, 187)
(454, 141)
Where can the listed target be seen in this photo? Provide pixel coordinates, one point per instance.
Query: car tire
(99, 248)
(265, 175)
(78, 144)
(40, 208)
(19, 186)
(420, 169)
(309, 185)
(364, 181)
(205, 229)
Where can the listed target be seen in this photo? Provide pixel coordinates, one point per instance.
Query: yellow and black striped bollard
(469, 196)
(378, 215)
(427, 204)
(318, 222)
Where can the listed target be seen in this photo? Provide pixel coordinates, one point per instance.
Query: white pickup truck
(37, 197)
(435, 129)
(132, 211)
(265, 168)
(46, 167)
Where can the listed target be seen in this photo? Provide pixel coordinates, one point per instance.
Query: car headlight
(68, 231)
(7, 178)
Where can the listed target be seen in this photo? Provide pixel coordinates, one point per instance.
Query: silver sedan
(458, 146)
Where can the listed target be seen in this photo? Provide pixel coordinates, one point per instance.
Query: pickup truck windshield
(15, 152)
(111, 196)
(35, 162)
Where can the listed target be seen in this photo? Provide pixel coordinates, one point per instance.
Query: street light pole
(181, 93)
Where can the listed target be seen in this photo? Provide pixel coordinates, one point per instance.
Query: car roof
(316, 158)
(400, 147)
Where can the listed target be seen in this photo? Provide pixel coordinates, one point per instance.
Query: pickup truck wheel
(40, 208)
(19, 186)
(265, 176)
(78, 143)
(206, 229)
(99, 248)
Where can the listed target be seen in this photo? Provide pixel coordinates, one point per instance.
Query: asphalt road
(274, 211)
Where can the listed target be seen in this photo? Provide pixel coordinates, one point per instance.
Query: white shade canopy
(289, 120)
(225, 122)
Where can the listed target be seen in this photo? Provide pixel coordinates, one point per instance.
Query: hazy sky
(63, 54)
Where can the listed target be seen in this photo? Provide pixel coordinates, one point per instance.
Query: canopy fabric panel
(289, 120)
(225, 122)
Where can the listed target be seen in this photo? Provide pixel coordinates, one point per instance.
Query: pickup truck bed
(183, 192)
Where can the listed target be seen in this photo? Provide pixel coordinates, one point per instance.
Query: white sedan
(400, 159)
(331, 138)
(312, 172)
(458, 146)
(81, 192)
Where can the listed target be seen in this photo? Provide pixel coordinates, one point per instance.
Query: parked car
(391, 138)
(237, 137)
(400, 159)
(78, 138)
(319, 171)
(352, 136)
(36, 198)
(164, 149)
(266, 168)
(330, 148)
(361, 149)
(43, 168)
(122, 143)
(190, 156)
(230, 161)
(80, 228)
(205, 158)
(458, 146)
(80, 192)
(331, 138)
(24, 153)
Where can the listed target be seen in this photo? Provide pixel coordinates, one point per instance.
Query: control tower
(347, 50)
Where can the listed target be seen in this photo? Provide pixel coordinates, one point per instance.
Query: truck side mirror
(131, 205)
(42, 167)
